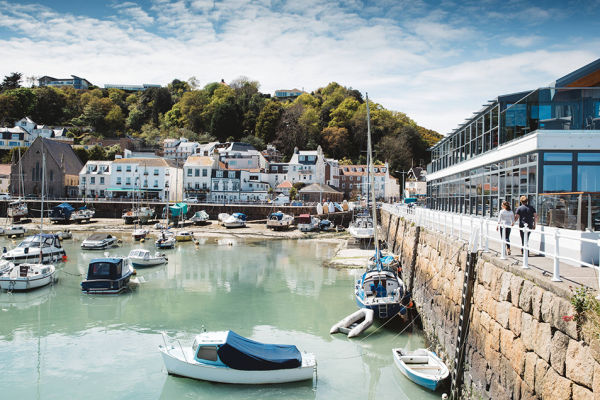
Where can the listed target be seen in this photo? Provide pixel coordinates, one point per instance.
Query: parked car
(4, 196)
(191, 200)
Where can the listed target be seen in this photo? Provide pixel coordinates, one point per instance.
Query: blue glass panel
(588, 157)
(558, 156)
(588, 178)
(557, 178)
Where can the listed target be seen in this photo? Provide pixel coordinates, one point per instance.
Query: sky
(436, 61)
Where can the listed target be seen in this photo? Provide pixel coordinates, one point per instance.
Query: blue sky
(437, 61)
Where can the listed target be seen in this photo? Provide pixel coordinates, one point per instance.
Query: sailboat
(27, 276)
(362, 226)
(18, 209)
(380, 288)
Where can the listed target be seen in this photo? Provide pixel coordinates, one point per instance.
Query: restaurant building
(543, 143)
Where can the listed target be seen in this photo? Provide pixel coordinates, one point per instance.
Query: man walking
(526, 215)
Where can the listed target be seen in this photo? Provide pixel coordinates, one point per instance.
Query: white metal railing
(557, 243)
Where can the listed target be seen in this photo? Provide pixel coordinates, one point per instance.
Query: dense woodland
(333, 117)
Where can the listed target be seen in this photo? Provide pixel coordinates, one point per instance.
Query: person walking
(526, 214)
(506, 219)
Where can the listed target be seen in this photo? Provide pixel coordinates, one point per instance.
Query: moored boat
(141, 215)
(99, 241)
(165, 241)
(355, 323)
(307, 223)
(139, 234)
(200, 218)
(27, 277)
(30, 248)
(61, 213)
(222, 217)
(17, 230)
(235, 220)
(421, 366)
(82, 215)
(227, 357)
(107, 276)
(184, 236)
(141, 258)
(279, 221)
(362, 227)
(17, 210)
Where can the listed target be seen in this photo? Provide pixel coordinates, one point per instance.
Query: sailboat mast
(370, 172)
(42, 205)
(21, 183)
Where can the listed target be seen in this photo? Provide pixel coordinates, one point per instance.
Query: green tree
(17, 104)
(254, 141)
(336, 141)
(293, 193)
(268, 120)
(49, 106)
(12, 81)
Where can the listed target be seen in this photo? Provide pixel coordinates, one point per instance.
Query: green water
(57, 343)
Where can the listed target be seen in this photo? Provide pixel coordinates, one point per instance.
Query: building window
(204, 172)
(128, 181)
(219, 174)
(189, 172)
(215, 186)
(83, 179)
(92, 180)
(156, 183)
(197, 172)
(128, 169)
(203, 185)
(118, 180)
(101, 179)
(155, 171)
(588, 178)
(197, 186)
(52, 176)
(231, 175)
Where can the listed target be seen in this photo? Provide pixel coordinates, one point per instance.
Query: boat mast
(21, 184)
(42, 205)
(371, 187)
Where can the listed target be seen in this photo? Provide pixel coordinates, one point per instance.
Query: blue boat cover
(387, 260)
(66, 207)
(178, 209)
(248, 355)
(240, 216)
(277, 215)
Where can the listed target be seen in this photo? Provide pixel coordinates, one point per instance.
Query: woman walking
(506, 219)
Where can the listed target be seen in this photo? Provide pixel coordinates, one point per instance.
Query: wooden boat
(141, 258)
(421, 366)
(355, 323)
(227, 357)
(27, 276)
(279, 221)
(99, 241)
(107, 276)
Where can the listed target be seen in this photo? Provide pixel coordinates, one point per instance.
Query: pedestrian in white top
(506, 218)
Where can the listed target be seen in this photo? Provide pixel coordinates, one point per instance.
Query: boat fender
(64, 258)
(142, 240)
(134, 271)
(4, 249)
(399, 269)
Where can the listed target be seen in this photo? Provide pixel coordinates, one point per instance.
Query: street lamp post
(402, 188)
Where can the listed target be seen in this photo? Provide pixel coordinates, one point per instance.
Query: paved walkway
(571, 275)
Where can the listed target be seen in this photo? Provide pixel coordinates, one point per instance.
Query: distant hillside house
(62, 169)
(284, 94)
(131, 88)
(75, 82)
(13, 137)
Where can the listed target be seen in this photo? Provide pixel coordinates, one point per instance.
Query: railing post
(526, 247)
(481, 233)
(452, 225)
(598, 296)
(556, 275)
(460, 217)
(486, 247)
(470, 224)
(503, 243)
(444, 224)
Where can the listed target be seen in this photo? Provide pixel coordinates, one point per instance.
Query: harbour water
(57, 343)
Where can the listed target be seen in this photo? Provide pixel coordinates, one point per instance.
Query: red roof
(285, 185)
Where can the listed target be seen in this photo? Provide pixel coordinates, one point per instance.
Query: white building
(254, 185)
(155, 178)
(197, 172)
(170, 148)
(307, 166)
(94, 179)
(242, 156)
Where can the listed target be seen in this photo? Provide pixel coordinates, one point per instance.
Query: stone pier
(523, 342)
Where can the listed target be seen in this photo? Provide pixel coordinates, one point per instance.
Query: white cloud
(408, 57)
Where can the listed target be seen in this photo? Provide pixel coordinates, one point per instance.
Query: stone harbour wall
(519, 344)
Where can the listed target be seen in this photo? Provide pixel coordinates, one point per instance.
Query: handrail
(445, 222)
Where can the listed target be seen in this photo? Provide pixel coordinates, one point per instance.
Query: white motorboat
(200, 218)
(99, 241)
(222, 217)
(141, 258)
(421, 366)
(235, 220)
(279, 221)
(141, 215)
(227, 357)
(307, 223)
(32, 248)
(82, 215)
(139, 234)
(166, 240)
(355, 323)
(66, 234)
(362, 227)
(17, 230)
(17, 210)
(27, 277)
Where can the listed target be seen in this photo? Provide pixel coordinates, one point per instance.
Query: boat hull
(29, 283)
(361, 233)
(355, 323)
(34, 257)
(146, 263)
(176, 364)
(430, 374)
(382, 309)
(98, 246)
(106, 286)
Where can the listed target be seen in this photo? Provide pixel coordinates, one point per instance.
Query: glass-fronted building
(543, 143)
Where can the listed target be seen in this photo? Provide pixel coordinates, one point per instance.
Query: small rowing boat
(421, 366)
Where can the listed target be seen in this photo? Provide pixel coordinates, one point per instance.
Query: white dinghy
(27, 277)
(141, 258)
(227, 357)
(421, 366)
(355, 323)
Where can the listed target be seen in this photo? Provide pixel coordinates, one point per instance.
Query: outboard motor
(4, 249)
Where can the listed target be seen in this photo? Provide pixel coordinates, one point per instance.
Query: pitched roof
(318, 188)
(148, 162)
(62, 152)
(362, 172)
(284, 185)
